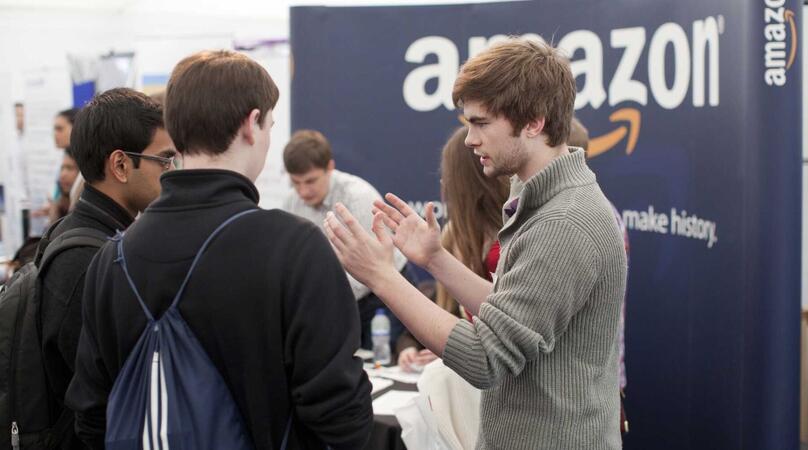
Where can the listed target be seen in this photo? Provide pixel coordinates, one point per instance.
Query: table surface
(386, 434)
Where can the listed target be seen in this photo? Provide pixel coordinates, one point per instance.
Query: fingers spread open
(349, 220)
(389, 211)
(336, 232)
(399, 204)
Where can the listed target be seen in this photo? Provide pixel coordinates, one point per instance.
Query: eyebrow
(167, 153)
(476, 119)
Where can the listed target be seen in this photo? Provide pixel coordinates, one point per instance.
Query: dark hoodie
(268, 301)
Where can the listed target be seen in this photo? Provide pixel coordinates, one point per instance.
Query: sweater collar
(565, 172)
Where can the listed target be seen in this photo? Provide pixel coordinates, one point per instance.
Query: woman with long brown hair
(474, 206)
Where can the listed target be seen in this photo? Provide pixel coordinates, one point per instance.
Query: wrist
(437, 261)
(382, 280)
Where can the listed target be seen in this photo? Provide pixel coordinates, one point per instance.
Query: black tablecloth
(386, 433)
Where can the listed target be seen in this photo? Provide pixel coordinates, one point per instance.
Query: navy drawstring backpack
(168, 394)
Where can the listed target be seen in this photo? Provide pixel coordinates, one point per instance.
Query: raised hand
(369, 259)
(418, 239)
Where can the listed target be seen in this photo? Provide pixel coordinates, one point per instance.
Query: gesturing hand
(367, 258)
(418, 239)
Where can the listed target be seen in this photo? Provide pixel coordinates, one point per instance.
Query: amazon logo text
(780, 25)
(695, 60)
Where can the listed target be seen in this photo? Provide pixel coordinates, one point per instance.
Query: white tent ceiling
(273, 9)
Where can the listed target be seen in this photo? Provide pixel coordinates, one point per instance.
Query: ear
(534, 127)
(331, 166)
(250, 126)
(118, 166)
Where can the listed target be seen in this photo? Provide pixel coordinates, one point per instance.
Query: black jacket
(268, 301)
(62, 289)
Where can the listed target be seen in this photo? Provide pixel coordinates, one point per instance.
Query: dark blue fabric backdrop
(712, 323)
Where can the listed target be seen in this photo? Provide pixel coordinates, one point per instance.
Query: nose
(302, 190)
(472, 140)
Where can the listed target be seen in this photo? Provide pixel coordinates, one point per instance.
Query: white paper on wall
(47, 91)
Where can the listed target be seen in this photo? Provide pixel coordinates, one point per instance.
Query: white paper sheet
(387, 403)
(393, 373)
(380, 384)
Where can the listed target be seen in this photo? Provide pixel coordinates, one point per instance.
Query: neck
(541, 158)
(112, 191)
(229, 160)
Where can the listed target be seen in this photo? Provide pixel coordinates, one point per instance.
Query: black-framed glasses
(172, 162)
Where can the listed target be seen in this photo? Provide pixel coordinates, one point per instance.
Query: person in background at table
(474, 203)
(318, 186)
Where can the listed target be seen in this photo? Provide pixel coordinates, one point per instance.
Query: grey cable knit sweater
(544, 346)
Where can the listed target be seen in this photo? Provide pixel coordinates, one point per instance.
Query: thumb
(430, 217)
(380, 231)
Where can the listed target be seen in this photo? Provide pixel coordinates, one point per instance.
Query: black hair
(118, 119)
(69, 114)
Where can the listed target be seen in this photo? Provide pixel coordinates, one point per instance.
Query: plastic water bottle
(380, 331)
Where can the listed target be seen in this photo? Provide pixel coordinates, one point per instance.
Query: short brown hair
(579, 135)
(522, 80)
(306, 150)
(209, 95)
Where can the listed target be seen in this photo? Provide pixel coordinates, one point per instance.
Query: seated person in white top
(318, 187)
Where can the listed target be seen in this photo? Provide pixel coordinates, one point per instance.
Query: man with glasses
(166, 162)
(121, 147)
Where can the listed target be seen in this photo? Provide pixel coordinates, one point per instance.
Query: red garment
(491, 260)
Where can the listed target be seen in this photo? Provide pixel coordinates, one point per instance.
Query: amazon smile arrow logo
(789, 16)
(632, 119)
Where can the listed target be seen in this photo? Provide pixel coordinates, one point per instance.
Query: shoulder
(292, 202)
(581, 214)
(69, 265)
(71, 262)
(350, 184)
(278, 228)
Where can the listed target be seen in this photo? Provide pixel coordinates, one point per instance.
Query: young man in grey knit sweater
(543, 342)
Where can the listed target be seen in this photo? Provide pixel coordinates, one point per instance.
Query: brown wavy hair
(473, 200)
(522, 80)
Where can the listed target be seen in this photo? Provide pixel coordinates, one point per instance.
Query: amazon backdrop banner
(694, 112)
